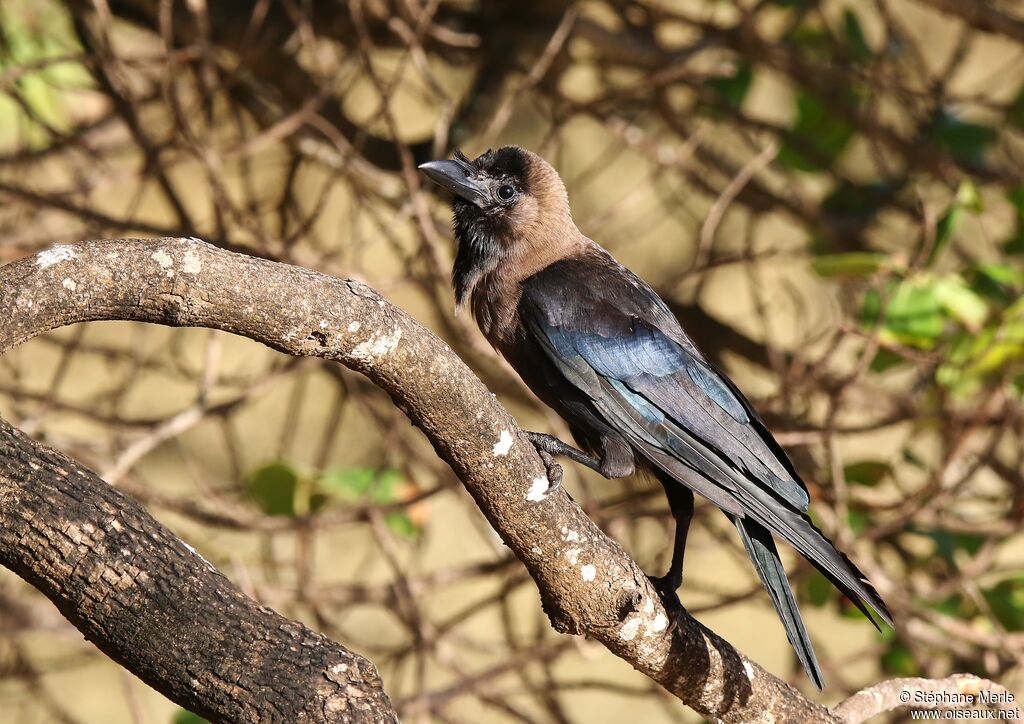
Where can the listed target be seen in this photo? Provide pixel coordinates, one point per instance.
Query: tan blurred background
(830, 194)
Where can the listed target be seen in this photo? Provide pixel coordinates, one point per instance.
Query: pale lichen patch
(538, 490)
(69, 284)
(588, 572)
(630, 629)
(54, 255)
(164, 260)
(572, 536)
(748, 669)
(354, 326)
(644, 623)
(573, 555)
(378, 345)
(504, 443)
(191, 263)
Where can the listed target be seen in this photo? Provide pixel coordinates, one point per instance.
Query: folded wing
(614, 340)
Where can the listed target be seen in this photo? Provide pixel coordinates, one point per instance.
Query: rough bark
(588, 585)
(154, 605)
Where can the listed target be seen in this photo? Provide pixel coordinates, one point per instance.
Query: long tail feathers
(761, 549)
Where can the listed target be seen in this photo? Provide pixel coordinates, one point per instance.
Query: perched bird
(598, 345)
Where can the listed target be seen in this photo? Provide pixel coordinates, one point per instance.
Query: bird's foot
(669, 599)
(554, 471)
(553, 446)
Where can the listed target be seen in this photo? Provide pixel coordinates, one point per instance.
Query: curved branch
(588, 585)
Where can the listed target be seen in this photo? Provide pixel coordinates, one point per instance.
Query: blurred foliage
(37, 58)
(183, 716)
(279, 489)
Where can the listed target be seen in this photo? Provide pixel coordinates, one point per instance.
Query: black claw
(669, 599)
(554, 471)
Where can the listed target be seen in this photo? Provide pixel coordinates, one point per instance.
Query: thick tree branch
(154, 605)
(587, 583)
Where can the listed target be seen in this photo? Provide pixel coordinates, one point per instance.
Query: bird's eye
(506, 192)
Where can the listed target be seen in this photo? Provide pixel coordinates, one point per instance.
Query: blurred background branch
(863, 285)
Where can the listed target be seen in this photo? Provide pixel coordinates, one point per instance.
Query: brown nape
(541, 232)
(542, 229)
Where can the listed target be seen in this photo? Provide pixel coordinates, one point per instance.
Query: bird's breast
(495, 302)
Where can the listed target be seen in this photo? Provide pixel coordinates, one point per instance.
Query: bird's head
(507, 203)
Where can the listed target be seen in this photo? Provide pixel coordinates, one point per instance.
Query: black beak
(457, 177)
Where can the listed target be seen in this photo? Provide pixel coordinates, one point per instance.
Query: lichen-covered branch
(587, 583)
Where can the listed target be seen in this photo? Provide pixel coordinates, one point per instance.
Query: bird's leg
(551, 445)
(616, 459)
(680, 502)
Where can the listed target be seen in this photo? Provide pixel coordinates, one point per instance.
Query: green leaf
(377, 486)
(25, 40)
(911, 458)
(898, 660)
(814, 40)
(967, 198)
(1015, 195)
(823, 136)
(1006, 599)
(866, 472)
(960, 301)
(948, 543)
(886, 359)
(858, 200)
(733, 89)
(944, 230)
(998, 347)
(400, 522)
(871, 311)
(852, 264)
(950, 606)
(965, 141)
(1000, 282)
(184, 716)
(817, 590)
(278, 489)
(857, 520)
(1015, 244)
(1002, 274)
(1015, 111)
(914, 315)
(855, 39)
